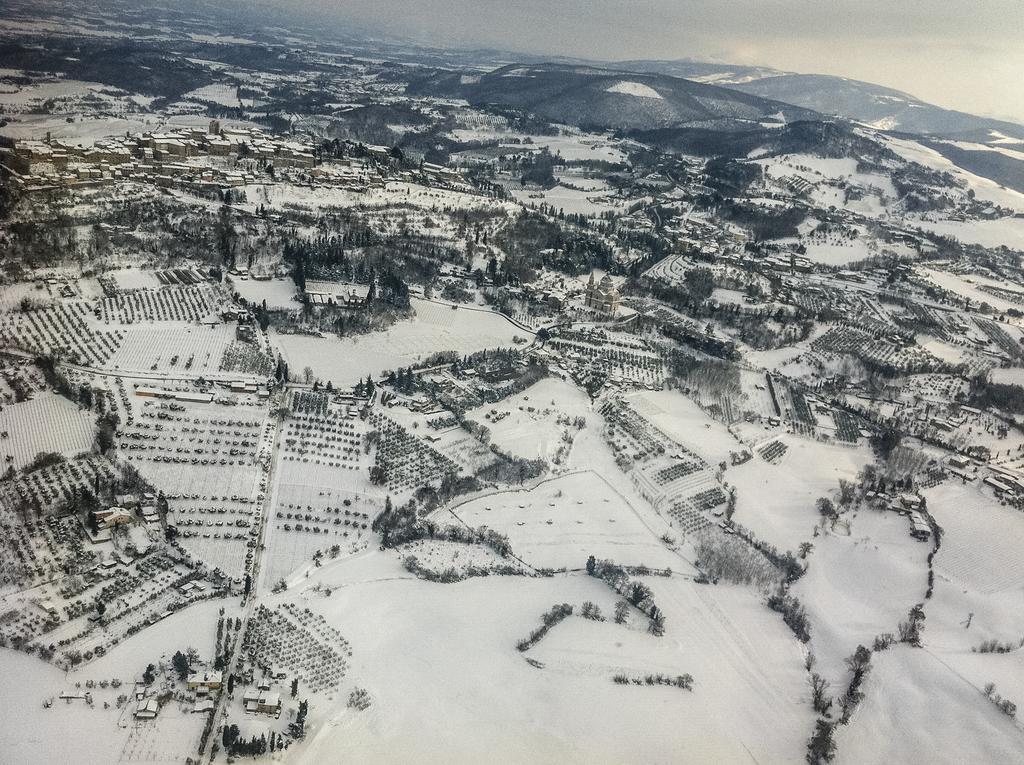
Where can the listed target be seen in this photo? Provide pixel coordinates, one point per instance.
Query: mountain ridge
(591, 96)
(878, 106)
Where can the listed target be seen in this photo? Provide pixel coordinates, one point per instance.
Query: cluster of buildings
(910, 505)
(260, 698)
(361, 171)
(204, 684)
(1006, 481)
(211, 156)
(214, 157)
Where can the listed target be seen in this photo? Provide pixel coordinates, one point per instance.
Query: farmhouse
(910, 501)
(959, 461)
(262, 702)
(205, 681)
(919, 528)
(112, 516)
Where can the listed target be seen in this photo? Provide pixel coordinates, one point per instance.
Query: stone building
(603, 296)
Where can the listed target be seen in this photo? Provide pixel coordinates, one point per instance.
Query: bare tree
(819, 693)
(910, 630)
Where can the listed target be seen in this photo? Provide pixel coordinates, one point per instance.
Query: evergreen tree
(181, 665)
(621, 612)
(229, 736)
(299, 275)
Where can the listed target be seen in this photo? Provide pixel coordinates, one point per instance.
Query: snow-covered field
(135, 279)
(983, 540)
(838, 253)
(918, 710)
(447, 669)
(68, 429)
(1004, 232)
(969, 286)
(679, 417)
(279, 293)
(860, 582)
(437, 327)
(637, 89)
(776, 501)
(528, 426)
(566, 519)
(169, 347)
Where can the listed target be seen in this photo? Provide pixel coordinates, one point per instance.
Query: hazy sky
(962, 54)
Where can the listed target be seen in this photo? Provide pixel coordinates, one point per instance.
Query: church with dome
(603, 296)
